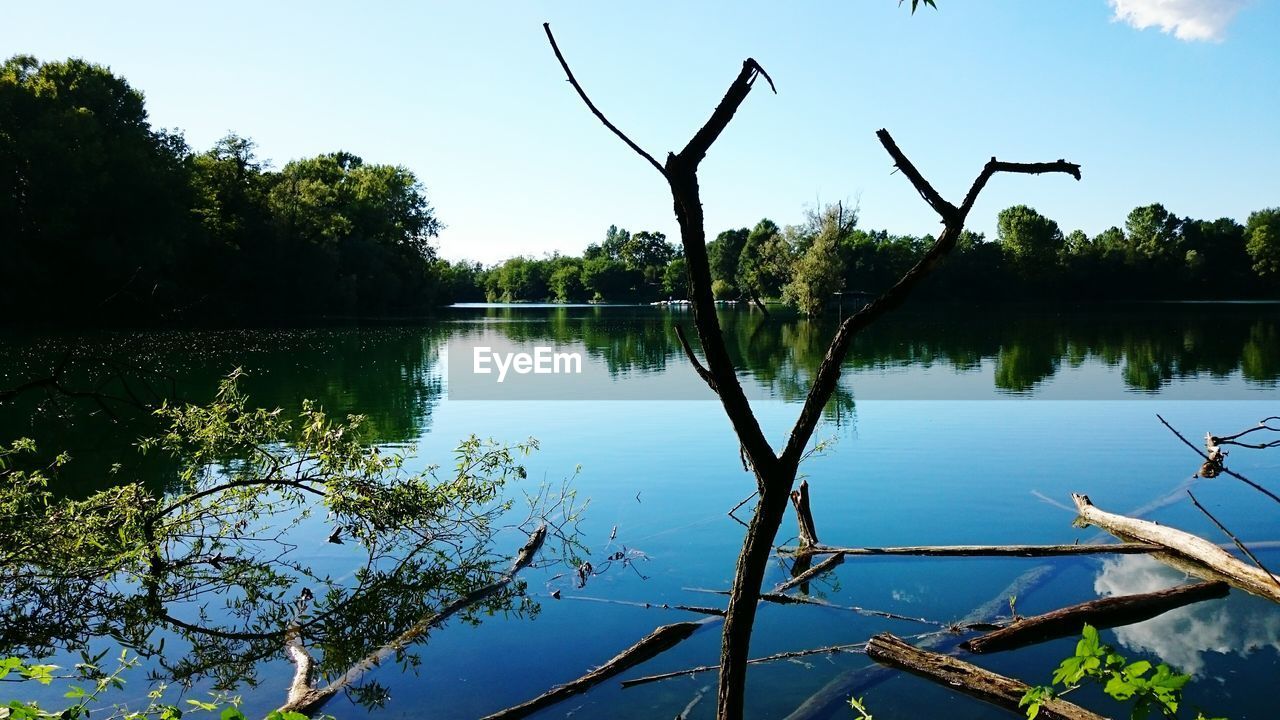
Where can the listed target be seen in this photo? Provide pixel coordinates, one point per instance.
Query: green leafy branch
(1120, 679)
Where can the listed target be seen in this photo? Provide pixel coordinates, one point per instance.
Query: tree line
(104, 218)
(1156, 255)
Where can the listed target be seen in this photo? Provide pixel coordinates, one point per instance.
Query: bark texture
(967, 678)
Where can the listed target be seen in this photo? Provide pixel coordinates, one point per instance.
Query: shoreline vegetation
(107, 221)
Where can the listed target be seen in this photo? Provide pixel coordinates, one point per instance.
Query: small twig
(828, 650)
(734, 509)
(1224, 469)
(657, 606)
(1234, 539)
(811, 573)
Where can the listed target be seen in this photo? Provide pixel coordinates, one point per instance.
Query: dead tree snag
(775, 472)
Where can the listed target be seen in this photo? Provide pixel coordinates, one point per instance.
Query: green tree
(819, 271)
(764, 264)
(675, 280)
(1263, 241)
(1032, 241)
(94, 202)
(605, 279)
(566, 281)
(723, 254)
(1154, 234)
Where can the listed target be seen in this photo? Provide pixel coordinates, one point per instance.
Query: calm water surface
(950, 427)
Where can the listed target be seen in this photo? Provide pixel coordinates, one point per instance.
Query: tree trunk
(744, 596)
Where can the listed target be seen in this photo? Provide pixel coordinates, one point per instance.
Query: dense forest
(1156, 255)
(106, 219)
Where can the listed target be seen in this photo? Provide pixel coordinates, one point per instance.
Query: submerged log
(967, 678)
(1102, 613)
(656, 642)
(1200, 554)
(1127, 548)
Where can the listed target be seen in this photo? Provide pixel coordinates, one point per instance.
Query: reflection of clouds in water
(1240, 624)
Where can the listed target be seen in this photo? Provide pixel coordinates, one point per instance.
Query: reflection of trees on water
(392, 375)
(1151, 345)
(388, 374)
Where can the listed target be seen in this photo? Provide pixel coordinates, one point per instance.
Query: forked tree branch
(953, 219)
(775, 473)
(582, 94)
(693, 359)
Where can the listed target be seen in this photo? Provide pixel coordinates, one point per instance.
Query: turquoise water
(950, 427)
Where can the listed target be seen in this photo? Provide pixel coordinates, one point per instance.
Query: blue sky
(469, 96)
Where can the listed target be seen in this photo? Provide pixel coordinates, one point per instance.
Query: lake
(951, 426)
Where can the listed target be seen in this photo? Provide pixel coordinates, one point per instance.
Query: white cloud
(1186, 19)
(1239, 625)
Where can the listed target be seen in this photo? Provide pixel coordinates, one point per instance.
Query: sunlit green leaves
(1124, 681)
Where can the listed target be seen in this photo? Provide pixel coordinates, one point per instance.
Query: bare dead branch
(1262, 426)
(1198, 555)
(828, 374)
(687, 672)
(590, 105)
(653, 644)
(994, 166)
(696, 150)
(1234, 539)
(813, 572)
(1218, 462)
(1027, 551)
(703, 373)
(804, 515)
(945, 210)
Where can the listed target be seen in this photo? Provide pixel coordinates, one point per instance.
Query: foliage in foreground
(216, 563)
(1125, 681)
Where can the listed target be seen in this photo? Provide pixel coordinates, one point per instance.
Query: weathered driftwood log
(967, 678)
(804, 515)
(986, 550)
(303, 697)
(1104, 612)
(1200, 553)
(652, 644)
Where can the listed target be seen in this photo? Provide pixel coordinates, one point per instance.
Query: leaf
(1137, 669)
